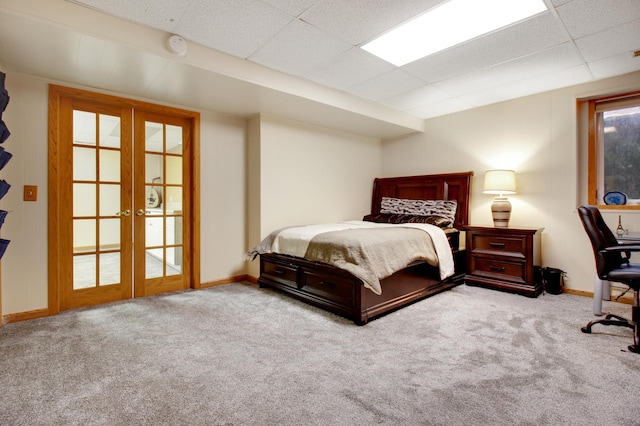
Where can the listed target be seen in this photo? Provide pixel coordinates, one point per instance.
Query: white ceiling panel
(250, 56)
(358, 21)
(553, 59)
(237, 27)
(535, 34)
(386, 85)
(299, 48)
(157, 14)
(446, 106)
(413, 99)
(622, 63)
(611, 42)
(584, 17)
(545, 82)
(350, 68)
(292, 7)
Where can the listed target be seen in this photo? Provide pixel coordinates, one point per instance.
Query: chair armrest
(622, 248)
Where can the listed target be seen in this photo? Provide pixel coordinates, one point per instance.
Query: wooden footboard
(342, 293)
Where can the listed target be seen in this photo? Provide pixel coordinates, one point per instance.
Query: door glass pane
(84, 199)
(84, 163)
(154, 231)
(174, 199)
(154, 263)
(109, 268)
(174, 260)
(154, 137)
(84, 235)
(84, 128)
(174, 170)
(153, 199)
(84, 271)
(109, 234)
(153, 168)
(109, 199)
(174, 230)
(109, 165)
(109, 131)
(174, 139)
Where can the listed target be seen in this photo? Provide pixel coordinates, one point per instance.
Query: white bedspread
(294, 241)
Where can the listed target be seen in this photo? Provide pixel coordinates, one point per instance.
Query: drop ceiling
(301, 58)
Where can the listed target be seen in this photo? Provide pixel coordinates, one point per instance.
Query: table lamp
(500, 182)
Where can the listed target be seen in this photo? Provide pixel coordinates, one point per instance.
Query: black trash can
(552, 279)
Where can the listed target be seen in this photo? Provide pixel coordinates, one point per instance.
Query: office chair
(612, 263)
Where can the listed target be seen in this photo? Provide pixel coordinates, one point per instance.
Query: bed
(347, 293)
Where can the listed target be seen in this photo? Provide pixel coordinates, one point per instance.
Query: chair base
(612, 319)
(607, 320)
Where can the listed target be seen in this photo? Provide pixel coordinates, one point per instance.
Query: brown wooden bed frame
(340, 292)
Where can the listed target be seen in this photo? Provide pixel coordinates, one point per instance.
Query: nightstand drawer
(507, 246)
(283, 274)
(329, 287)
(504, 258)
(499, 269)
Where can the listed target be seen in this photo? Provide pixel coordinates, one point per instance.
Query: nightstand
(504, 259)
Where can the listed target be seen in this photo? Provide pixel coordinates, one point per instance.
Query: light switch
(30, 193)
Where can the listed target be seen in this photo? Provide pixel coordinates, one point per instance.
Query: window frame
(595, 150)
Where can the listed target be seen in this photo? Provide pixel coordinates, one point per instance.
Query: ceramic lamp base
(501, 212)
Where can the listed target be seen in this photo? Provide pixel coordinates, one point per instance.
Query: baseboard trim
(235, 279)
(45, 312)
(27, 315)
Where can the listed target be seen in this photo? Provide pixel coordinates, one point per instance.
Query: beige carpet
(240, 355)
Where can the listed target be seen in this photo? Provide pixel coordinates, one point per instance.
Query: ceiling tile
(163, 14)
(446, 106)
(299, 48)
(349, 69)
(359, 21)
(292, 7)
(620, 39)
(583, 17)
(555, 58)
(537, 84)
(386, 85)
(622, 63)
(423, 96)
(532, 35)
(237, 27)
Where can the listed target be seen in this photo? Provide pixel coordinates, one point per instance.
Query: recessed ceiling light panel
(451, 23)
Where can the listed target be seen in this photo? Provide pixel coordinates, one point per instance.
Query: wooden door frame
(58, 95)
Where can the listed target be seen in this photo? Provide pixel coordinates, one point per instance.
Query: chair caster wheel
(586, 330)
(634, 348)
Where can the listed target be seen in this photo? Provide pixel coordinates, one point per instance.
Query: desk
(601, 288)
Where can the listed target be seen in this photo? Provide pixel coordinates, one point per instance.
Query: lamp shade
(499, 182)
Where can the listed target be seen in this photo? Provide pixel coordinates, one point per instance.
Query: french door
(122, 215)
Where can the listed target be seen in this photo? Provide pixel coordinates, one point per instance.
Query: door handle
(124, 213)
(140, 212)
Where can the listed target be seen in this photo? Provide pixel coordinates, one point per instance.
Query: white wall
(309, 174)
(24, 266)
(537, 137)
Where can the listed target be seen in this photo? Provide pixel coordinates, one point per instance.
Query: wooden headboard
(451, 186)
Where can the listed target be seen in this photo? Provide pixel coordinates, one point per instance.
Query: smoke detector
(177, 45)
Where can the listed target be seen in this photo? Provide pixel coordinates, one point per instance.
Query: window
(614, 151)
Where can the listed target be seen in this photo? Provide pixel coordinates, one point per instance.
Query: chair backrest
(601, 237)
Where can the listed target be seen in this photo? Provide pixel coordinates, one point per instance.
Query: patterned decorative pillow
(439, 221)
(444, 208)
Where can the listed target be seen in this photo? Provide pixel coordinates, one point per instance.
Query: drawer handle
(496, 245)
(327, 284)
(497, 268)
(278, 272)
